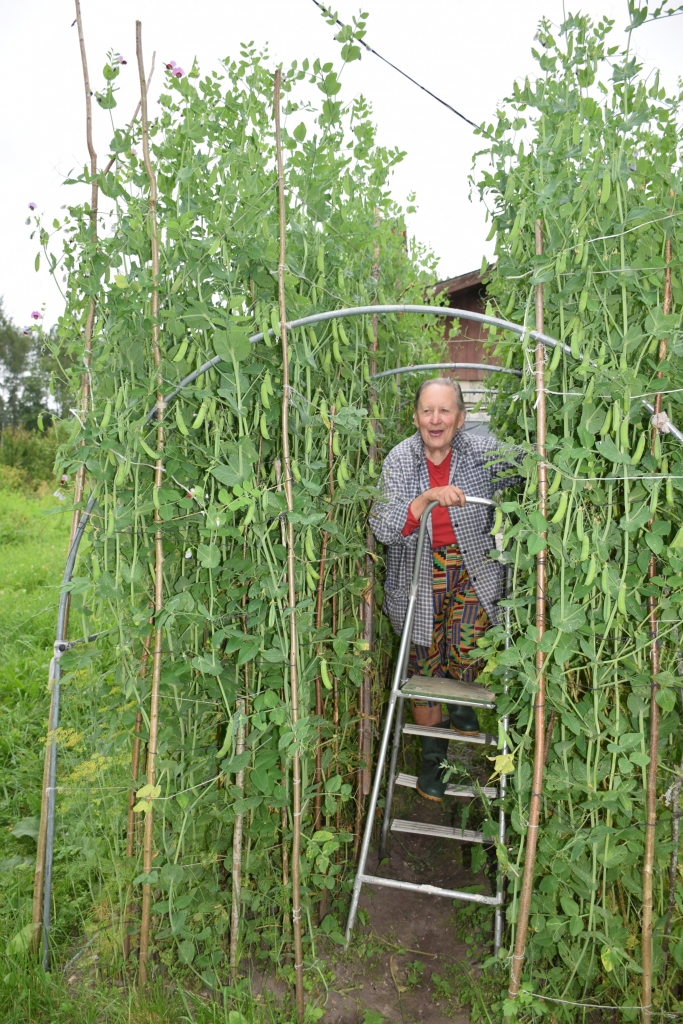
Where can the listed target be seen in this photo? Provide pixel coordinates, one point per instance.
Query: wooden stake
(237, 847)
(651, 795)
(148, 841)
(79, 484)
(539, 702)
(368, 607)
(291, 569)
(319, 704)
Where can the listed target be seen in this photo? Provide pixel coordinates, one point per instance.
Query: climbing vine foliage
(225, 617)
(592, 149)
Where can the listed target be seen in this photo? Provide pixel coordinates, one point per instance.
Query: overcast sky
(468, 53)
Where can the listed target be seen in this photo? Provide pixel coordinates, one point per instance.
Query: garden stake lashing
(158, 542)
(291, 569)
(539, 695)
(651, 799)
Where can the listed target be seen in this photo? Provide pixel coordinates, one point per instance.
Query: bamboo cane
(79, 483)
(673, 867)
(319, 705)
(237, 848)
(539, 702)
(651, 796)
(291, 568)
(365, 726)
(158, 543)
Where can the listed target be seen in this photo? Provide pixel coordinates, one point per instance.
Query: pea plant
(588, 154)
(212, 531)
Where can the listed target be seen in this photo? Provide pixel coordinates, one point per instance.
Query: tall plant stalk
(651, 795)
(148, 839)
(79, 484)
(539, 699)
(291, 571)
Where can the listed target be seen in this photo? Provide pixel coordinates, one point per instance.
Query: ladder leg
(372, 808)
(391, 778)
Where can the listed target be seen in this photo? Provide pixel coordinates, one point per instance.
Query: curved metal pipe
(448, 311)
(487, 367)
(55, 675)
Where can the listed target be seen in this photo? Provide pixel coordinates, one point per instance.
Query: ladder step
(449, 734)
(432, 890)
(449, 691)
(421, 828)
(451, 790)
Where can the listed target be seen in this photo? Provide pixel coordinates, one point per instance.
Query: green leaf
(237, 763)
(536, 544)
(186, 951)
(209, 555)
(20, 942)
(27, 827)
(232, 344)
(573, 618)
(609, 450)
(569, 906)
(666, 700)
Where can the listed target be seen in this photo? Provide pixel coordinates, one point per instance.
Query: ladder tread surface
(423, 828)
(410, 781)
(449, 734)
(450, 691)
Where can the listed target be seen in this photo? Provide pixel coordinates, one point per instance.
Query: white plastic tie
(661, 421)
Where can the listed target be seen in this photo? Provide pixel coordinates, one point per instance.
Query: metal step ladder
(446, 691)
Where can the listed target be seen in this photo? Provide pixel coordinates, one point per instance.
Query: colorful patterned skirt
(459, 621)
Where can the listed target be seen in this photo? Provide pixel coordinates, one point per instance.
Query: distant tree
(31, 380)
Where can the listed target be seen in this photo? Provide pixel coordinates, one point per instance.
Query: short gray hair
(449, 383)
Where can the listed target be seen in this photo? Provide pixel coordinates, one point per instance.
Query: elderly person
(460, 586)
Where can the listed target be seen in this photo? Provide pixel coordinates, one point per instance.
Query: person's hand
(446, 496)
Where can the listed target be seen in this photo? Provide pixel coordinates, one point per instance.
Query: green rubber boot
(463, 719)
(430, 782)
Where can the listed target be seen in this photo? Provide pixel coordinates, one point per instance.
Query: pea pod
(344, 470)
(180, 421)
(336, 353)
(342, 335)
(605, 578)
(324, 674)
(155, 497)
(180, 354)
(604, 429)
(557, 480)
(621, 599)
(120, 474)
(335, 330)
(321, 259)
(199, 418)
(640, 448)
(590, 575)
(654, 498)
(370, 332)
(265, 401)
(670, 493)
(583, 300)
(585, 547)
(265, 329)
(370, 433)
(264, 427)
(322, 409)
(554, 362)
(606, 188)
(497, 521)
(366, 371)
(580, 532)
(107, 416)
(561, 508)
(624, 434)
(296, 472)
(308, 544)
(275, 321)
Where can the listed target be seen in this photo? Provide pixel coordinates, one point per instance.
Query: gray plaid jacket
(404, 476)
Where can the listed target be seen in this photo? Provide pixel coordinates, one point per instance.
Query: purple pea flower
(36, 315)
(31, 206)
(177, 72)
(171, 64)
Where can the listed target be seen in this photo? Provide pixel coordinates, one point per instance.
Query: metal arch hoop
(441, 311)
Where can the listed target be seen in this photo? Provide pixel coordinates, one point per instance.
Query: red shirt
(442, 529)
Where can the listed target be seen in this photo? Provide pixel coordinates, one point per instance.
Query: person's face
(437, 416)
